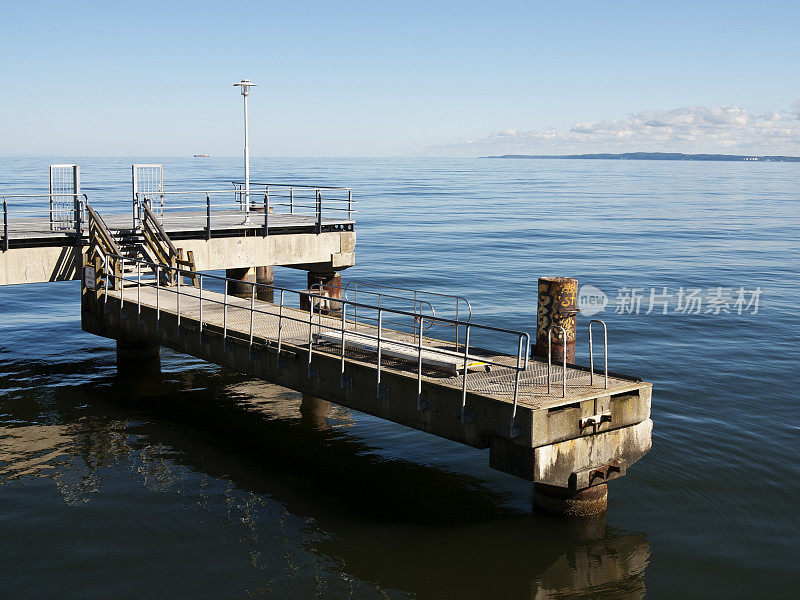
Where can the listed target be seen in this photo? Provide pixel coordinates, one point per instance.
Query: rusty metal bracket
(597, 475)
(597, 419)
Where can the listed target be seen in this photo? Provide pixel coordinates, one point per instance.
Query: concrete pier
(565, 443)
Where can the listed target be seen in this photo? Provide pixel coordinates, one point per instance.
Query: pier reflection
(402, 527)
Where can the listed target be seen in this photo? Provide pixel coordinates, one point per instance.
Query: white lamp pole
(245, 86)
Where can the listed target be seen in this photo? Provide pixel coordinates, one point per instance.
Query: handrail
(422, 319)
(605, 352)
(5, 225)
(523, 338)
(292, 185)
(73, 225)
(150, 217)
(100, 225)
(564, 357)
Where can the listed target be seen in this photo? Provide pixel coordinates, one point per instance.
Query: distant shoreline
(657, 156)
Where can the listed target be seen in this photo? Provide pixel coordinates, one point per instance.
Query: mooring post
(557, 307)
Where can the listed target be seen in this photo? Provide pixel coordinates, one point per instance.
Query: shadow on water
(405, 526)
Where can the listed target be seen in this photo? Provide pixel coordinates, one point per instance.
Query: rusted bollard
(557, 306)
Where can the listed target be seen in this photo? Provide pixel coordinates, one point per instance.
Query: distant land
(658, 156)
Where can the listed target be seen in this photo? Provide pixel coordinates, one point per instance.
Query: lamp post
(245, 86)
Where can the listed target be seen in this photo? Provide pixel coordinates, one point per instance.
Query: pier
(569, 429)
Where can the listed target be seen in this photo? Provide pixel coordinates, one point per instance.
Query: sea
(201, 482)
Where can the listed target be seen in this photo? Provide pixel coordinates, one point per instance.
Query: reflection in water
(309, 507)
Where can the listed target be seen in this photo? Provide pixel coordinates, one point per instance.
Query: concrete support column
(139, 357)
(315, 412)
(265, 275)
(246, 276)
(557, 306)
(589, 502)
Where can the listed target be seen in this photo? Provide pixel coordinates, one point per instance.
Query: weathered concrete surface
(331, 250)
(334, 248)
(568, 464)
(38, 265)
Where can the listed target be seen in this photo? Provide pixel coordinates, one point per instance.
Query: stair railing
(103, 245)
(157, 243)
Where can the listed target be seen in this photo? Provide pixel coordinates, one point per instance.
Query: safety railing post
(605, 353)
(121, 286)
(178, 293)
(349, 205)
(265, 233)
(225, 313)
(419, 363)
(466, 370)
(564, 359)
(380, 327)
(252, 309)
(200, 298)
(310, 333)
(5, 226)
(319, 211)
(280, 323)
(208, 217)
(521, 349)
(105, 269)
(158, 290)
(343, 324)
(138, 287)
(291, 201)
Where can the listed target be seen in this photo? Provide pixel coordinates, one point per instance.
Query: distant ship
(202, 156)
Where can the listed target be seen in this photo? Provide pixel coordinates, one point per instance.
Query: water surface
(204, 483)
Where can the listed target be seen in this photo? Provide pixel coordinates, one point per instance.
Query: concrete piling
(589, 502)
(265, 275)
(557, 307)
(246, 276)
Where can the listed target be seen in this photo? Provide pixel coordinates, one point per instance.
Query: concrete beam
(330, 250)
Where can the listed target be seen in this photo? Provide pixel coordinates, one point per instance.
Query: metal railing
(299, 199)
(460, 304)
(309, 323)
(605, 353)
(31, 214)
(310, 204)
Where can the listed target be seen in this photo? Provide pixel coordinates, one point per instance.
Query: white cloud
(692, 129)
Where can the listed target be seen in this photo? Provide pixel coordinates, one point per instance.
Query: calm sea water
(203, 483)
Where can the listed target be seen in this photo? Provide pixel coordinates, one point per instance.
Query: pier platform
(575, 432)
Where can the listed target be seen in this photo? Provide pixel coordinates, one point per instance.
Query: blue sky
(389, 78)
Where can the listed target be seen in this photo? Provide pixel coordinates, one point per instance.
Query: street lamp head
(245, 85)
